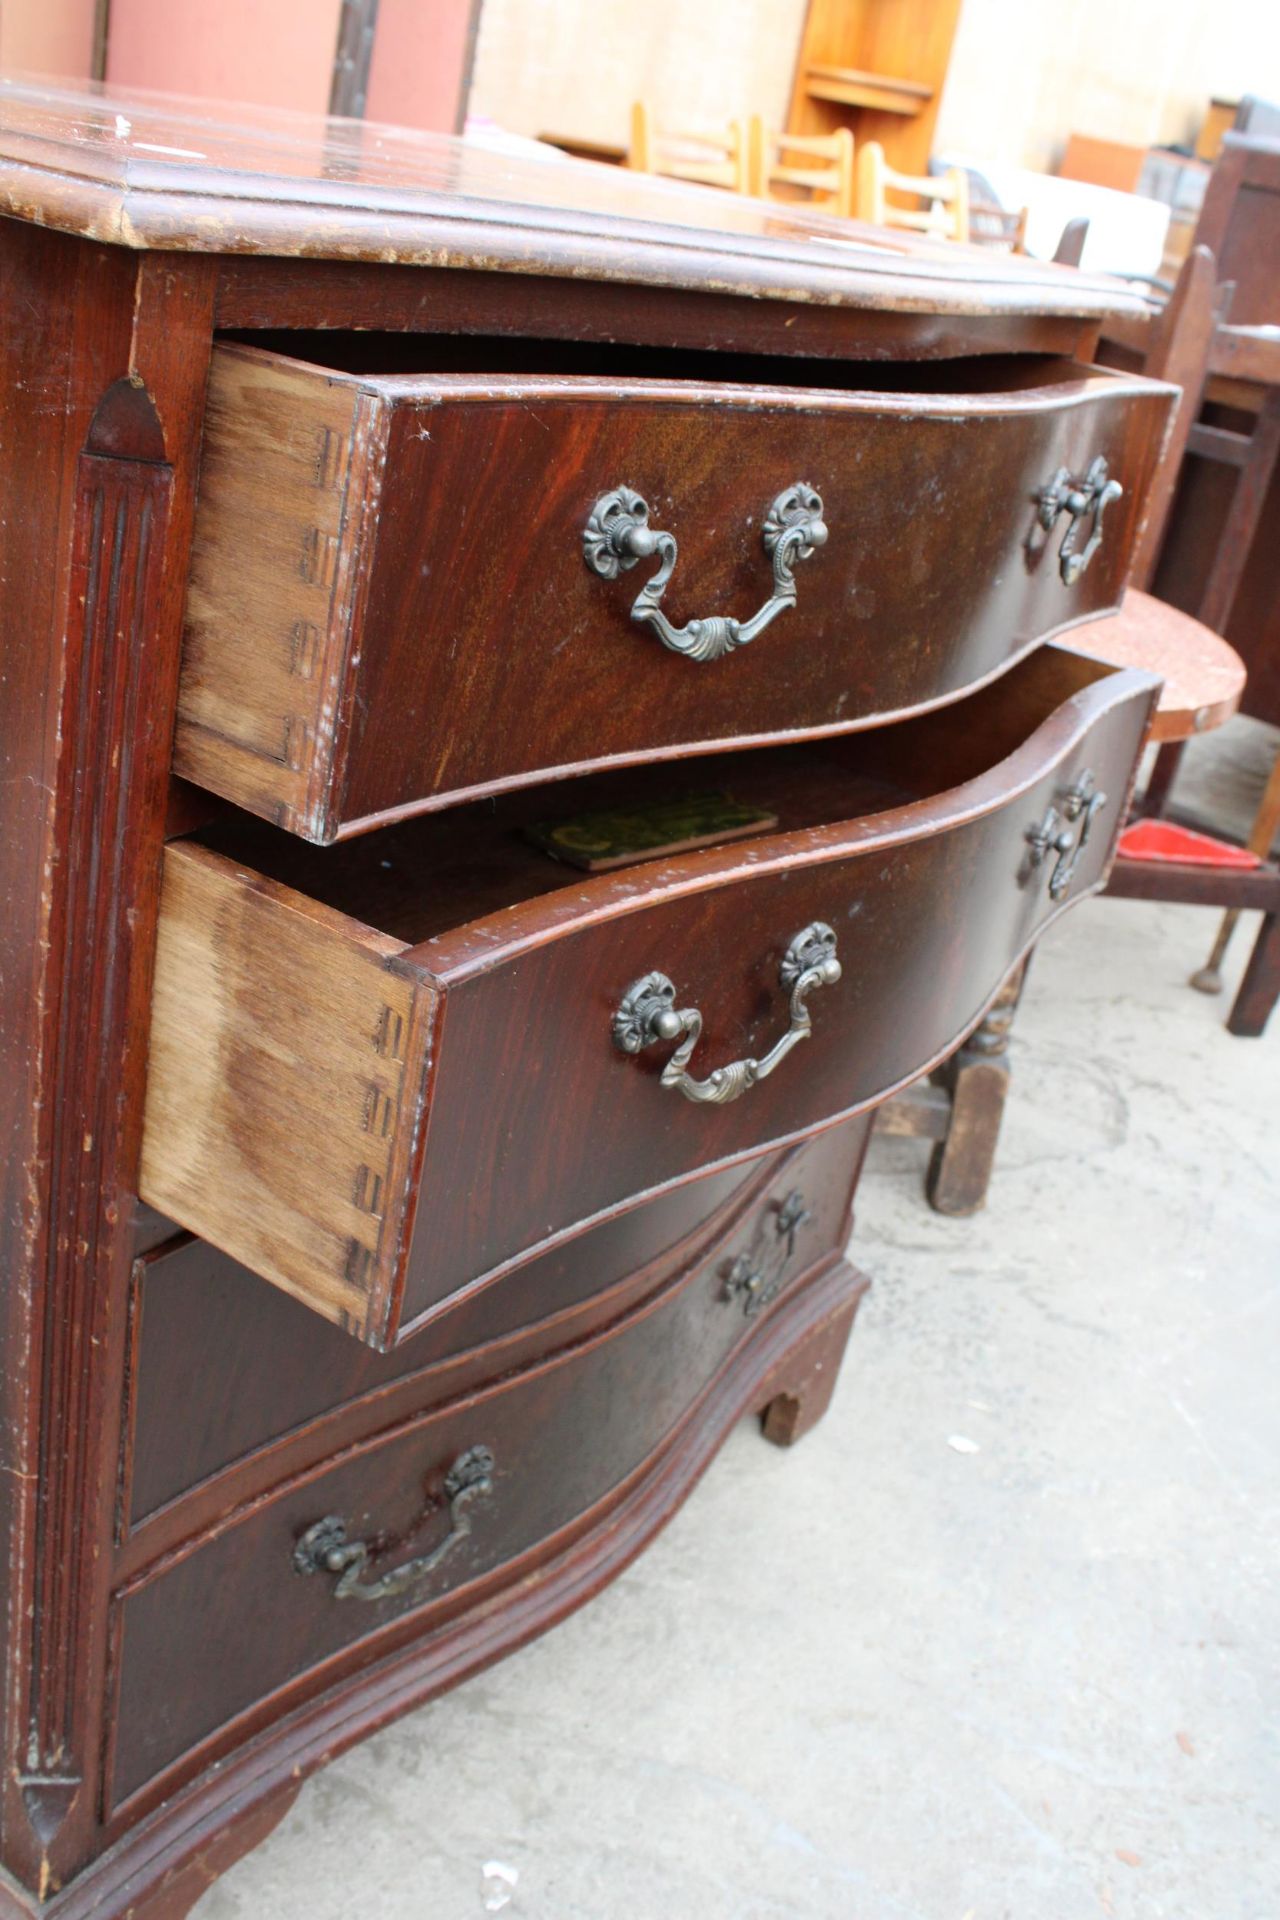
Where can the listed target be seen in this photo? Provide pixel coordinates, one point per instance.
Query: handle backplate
(618, 534)
(755, 1279)
(1065, 831)
(1083, 500)
(325, 1547)
(648, 1015)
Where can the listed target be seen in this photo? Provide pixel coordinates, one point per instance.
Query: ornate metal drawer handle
(618, 534)
(750, 1280)
(1081, 499)
(1056, 833)
(325, 1548)
(648, 1014)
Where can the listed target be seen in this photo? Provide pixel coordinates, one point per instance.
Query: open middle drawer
(386, 1071)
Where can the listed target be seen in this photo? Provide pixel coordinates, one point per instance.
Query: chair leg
(1155, 795)
(1260, 987)
(977, 1077)
(1262, 834)
(960, 1166)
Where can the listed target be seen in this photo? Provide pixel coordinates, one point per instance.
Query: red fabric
(1159, 841)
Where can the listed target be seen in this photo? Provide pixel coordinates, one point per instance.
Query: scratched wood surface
(390, 607)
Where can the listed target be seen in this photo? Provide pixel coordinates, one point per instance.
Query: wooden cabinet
(317, 450)
(877, 67)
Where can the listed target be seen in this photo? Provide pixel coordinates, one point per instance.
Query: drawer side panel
(285, 1064)
(290, 463)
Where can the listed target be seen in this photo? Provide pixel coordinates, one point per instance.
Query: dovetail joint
(359, 1263)
(388, 1039)
(379, 1111)
(318, 557)
(367, 1193)
(304, 649)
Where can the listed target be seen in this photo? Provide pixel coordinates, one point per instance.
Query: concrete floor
(880, 1678)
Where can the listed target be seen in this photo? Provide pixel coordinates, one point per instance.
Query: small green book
(617, 836)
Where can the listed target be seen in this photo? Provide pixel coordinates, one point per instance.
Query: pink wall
(274, 52)
(47, 36)
(419, 53)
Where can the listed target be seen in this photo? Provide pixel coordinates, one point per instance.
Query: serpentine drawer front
(386, 1071)
(189, 1440)
(445, 1490)
(410, 588)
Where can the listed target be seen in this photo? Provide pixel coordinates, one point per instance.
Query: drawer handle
(648, 1014)
(618, 534)
(325, 1548)
(1084, 500)
(749, 1280)
(1056, 833)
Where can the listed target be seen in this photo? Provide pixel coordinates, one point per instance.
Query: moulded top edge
(151, 170)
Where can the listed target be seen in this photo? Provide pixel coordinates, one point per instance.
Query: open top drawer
(385, 1072)
(408, 589)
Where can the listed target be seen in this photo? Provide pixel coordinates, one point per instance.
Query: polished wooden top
(151, 170)
(1203, 674)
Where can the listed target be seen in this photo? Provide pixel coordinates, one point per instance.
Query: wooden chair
(961, 1106)
(1189, 342)
(998, 227)
(712, 157)
(991, 224)
(1208, 355)
(818, 167)
(1069, 251)
(1217, 560)
(946, 212)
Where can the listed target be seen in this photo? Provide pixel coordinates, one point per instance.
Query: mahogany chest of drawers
(533, 700)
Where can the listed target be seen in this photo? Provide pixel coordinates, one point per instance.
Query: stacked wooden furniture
(876, 67)
(816, 167)
(1206, 535)
(710, 157)
(396, 1216)
(1218, 560)
(747, 157)
(960, 1106)
(934, 204)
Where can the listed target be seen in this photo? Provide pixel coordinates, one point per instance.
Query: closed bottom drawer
(388, 1071)
(440, 1499)
(193, 1449)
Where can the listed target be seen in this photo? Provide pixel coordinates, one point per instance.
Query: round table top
(1203, 676)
